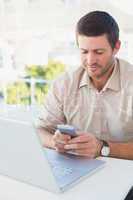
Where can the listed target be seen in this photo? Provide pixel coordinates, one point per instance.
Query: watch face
(105, 151)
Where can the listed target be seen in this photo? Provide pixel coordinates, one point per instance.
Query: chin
(92, 74)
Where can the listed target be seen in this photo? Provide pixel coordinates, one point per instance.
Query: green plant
(20, 92)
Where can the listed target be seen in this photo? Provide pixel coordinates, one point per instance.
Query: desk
(110, 183)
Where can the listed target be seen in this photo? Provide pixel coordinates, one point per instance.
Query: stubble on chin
(102, 72)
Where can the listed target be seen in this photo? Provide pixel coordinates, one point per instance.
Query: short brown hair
(97, 23)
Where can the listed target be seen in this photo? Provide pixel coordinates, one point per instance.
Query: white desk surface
(109, 183)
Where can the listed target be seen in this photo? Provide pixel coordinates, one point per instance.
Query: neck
(100, 82)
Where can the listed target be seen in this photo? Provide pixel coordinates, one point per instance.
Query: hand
(60, 140)
(84, 145)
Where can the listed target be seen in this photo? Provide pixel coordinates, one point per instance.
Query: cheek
(109, 60)
(82, 58)
(104, 59)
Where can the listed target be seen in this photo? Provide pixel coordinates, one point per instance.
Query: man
(97, 98)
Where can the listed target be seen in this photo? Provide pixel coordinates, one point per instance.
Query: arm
(121, 150)
(51, 115)
(88, 145)
(46, 138)
(56, 141)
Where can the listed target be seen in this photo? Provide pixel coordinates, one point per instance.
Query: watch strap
(105, 143)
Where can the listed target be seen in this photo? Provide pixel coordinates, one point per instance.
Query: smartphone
(67, 129)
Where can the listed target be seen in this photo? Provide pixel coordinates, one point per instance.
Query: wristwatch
(105, 150)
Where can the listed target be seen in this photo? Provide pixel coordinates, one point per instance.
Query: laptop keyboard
(61, 171)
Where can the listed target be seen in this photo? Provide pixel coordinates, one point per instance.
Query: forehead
(93, 42)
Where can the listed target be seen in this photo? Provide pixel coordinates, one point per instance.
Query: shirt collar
(113, 82)
(85, 80)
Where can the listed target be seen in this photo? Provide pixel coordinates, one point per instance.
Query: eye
(99, 52)
(84, 51)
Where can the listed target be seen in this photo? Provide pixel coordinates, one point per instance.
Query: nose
(91, 58)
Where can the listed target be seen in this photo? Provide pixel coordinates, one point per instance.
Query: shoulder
(125, 66)
(126, 69)
(69, 78)
(126, 74)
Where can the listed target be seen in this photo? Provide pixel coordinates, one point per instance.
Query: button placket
(98, 110)
(101, 111)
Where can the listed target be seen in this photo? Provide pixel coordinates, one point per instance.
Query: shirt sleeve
(52, 110)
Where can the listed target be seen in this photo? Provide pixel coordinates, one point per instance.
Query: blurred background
(37, 43)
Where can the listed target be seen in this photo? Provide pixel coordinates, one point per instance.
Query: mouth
(93, 68)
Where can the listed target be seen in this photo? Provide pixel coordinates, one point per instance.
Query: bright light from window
(126, 6)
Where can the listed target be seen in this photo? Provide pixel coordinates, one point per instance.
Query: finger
(78, 146)
(80, 139)
(61, 138)
(60, 150)
(72, 152)
(59, 145)
(78, 152)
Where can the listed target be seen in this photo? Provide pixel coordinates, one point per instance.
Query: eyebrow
(100, 49)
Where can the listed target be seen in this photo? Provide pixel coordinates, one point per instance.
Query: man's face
(97, 55)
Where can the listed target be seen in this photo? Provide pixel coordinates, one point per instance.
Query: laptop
(23, 158)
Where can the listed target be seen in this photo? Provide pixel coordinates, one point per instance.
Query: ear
(117, 47)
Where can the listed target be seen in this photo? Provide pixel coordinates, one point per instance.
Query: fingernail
(66, 147)
(58, 132)
(72, 152)
(56, 148)
(62, 142)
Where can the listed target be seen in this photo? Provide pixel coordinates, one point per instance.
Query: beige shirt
(107, 114)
